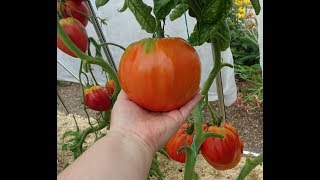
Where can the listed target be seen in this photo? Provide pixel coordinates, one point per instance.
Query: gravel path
(249, 125)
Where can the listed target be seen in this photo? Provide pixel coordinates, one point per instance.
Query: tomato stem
(114, 44)
(200, 135)
(96, 128)
(90, 60)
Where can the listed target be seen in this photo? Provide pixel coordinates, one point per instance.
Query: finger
(187, 108)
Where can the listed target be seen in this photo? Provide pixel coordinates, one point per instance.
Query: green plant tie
(185, 18)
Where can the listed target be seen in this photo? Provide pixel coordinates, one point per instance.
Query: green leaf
(124, 7)
(69, 133)
(256, 6)
(142, 12)
(192, 13)
(214, 13)
(224, 36)
(100, 3)
(198, 37)
(163, 7)
(64, 147)
(215, 10)
(178, 11)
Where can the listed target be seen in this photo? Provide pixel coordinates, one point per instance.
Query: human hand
(152, 128)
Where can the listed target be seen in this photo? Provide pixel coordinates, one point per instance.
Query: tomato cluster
(221, 153)
(74, 18)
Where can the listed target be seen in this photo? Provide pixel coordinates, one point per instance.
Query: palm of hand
(155, 128)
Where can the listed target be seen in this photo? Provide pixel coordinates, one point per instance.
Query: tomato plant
(74, 8)
(76, 32)
(177, 141)
(96, 98)
(160, 74)
(222, 153)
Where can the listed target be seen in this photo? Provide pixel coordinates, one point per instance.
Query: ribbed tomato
(223, 154)
(76, 32)
(160, 74)
(76, 9)
(110, 86)
(96, 98)
(176, 142)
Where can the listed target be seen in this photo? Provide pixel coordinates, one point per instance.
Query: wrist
(131, 139)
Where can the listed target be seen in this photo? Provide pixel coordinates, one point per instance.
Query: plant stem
(96, 128)
(249, 166)
(218, 65)
(200, 135)
(160, 31)
(109, 43)
(191, 153)
(94, 79)
(84, 105)
(91, 60)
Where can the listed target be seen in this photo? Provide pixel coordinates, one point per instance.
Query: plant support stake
(102, 39)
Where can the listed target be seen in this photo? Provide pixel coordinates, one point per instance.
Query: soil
(249, 125)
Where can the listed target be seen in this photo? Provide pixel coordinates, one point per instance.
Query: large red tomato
(76, 32)
(77, 9)
(223, 154)
(96, 98)
(160, 74)
(176, 142)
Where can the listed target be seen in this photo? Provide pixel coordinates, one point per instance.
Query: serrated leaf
(215, 10)
(256, 6)
(178, 11)
(163, 7)
(207, 31)
(124, 7)
(100, 3)
(142, 12)
(224, 36)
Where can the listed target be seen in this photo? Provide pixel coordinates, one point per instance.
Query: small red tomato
(222, 153)
(176, 142)
(76, 32)
(110, 86)
(239, 101)
(246, 108)
(96, 98)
